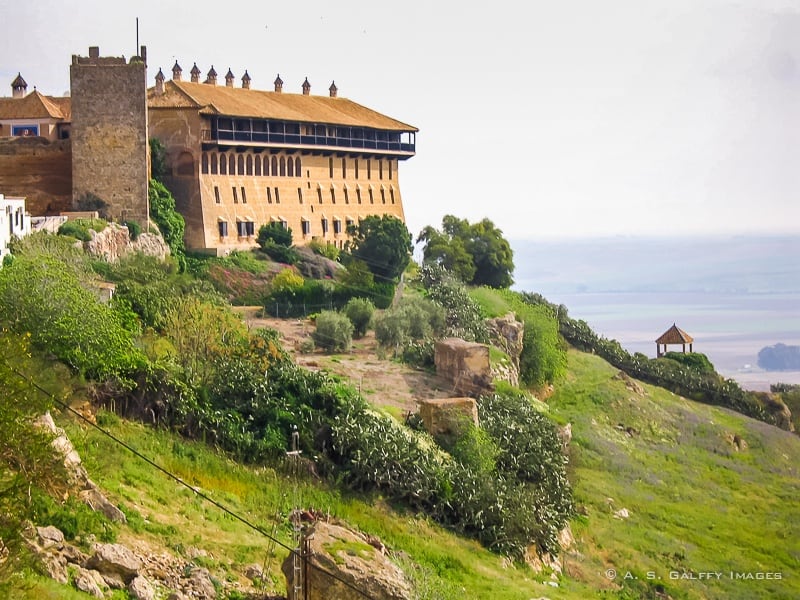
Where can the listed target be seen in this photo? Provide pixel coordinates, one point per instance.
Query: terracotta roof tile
(675, 335)
(36, 106)
(240, 102)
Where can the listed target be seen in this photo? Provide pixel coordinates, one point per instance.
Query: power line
(177, 479)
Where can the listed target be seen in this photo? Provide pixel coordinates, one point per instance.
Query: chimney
(306, 87)
(211, 78)
(143, 54)
(246, 80)
(195, 73)
(18, 87)
(94, 51)
(333, 90)
(176, 72)
(278, 84)
(229, 78)
(160, 82)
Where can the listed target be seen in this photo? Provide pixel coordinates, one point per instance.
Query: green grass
(696, 503)
(492, 303)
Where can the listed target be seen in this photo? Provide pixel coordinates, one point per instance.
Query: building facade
(238, 158)
(34, 114)
(14, 222)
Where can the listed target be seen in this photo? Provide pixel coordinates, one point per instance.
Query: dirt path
(385, 383)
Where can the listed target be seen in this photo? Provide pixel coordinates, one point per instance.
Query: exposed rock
(50, 536)
(115, 560)
(253, 572)
(737, 442)
(465, 365)
(539, 561)
(349, 556)
(565, 435)
(622, 513)
(95, 500)
(141, 589)
(506, 333)
(114, 242)
(89, 582)
(445, 415)
(632, 385)
(200, 585)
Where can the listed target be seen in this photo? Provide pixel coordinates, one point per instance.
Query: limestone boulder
(341, 560)
(115, 561)
(443, 416)
(465, 365)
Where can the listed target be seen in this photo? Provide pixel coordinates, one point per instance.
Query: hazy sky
(559, 118)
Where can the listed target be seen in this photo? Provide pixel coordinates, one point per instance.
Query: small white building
(15, 221)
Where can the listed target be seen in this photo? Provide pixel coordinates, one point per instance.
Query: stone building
(110, 151)
(238, 158)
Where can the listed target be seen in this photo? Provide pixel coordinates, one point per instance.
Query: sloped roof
(36, 106)
(675, 335)
(242, 102)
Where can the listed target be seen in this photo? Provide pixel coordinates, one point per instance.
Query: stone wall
(465, 365)
(109, 134)
(38, 170)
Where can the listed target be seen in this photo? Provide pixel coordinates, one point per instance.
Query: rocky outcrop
(443, 416)
(506, 334)
(465, 365)
(539, 561)
(341, 562)
(79, 480)
(114, 242)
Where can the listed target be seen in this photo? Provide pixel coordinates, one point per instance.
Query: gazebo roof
(675, 335)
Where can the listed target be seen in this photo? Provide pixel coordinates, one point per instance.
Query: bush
(360, 312)
(169, 221)
(276, 233)
(79, 228)
(324, 249)
(693, 360)
(334, 332)
(134, 229)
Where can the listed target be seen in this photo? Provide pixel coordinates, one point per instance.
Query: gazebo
(673, 335)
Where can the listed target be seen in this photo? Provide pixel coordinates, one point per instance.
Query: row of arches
(224, 163)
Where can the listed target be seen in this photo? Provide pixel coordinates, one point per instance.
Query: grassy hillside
(706, 491)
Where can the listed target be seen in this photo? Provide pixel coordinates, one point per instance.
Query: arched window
(290, 167)
(298, 167)
(266, 165)
(249, 164)
(214, 163)
(283, 166)
(257, 165)
(223, 164)
(232, 165)
(240, 165)
(274, 171)
(204, 163)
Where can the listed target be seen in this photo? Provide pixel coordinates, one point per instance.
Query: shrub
(464, 319)
(360, 312)
(693, 360)
(324, 249)
(79, 228)
(334, 331)
(276, 233)
(169, 221)
(134, 229)
(287, 281)
(391, 330)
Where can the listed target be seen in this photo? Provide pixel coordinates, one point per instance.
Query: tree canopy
(383, 243)
(478, 254)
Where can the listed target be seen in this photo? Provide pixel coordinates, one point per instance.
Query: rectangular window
(337, 226)
(241, 229)
(344, 168)
(383, 196)
(277, 196)
(346, 197)
(333, 196)
(250, 228)
(306, 227)
(330, 166)
(300, 194)
(223, 228)
(369, 169)
(371, 199)
(216, 194)
(319, 195)
(324, 226)
(391, 170)
(356, 168)
(391, 194)
(244, 196)
(358, 195)
(235, 195)
(269, 195)
(380, 169)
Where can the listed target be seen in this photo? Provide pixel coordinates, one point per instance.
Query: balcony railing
(294, 139)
